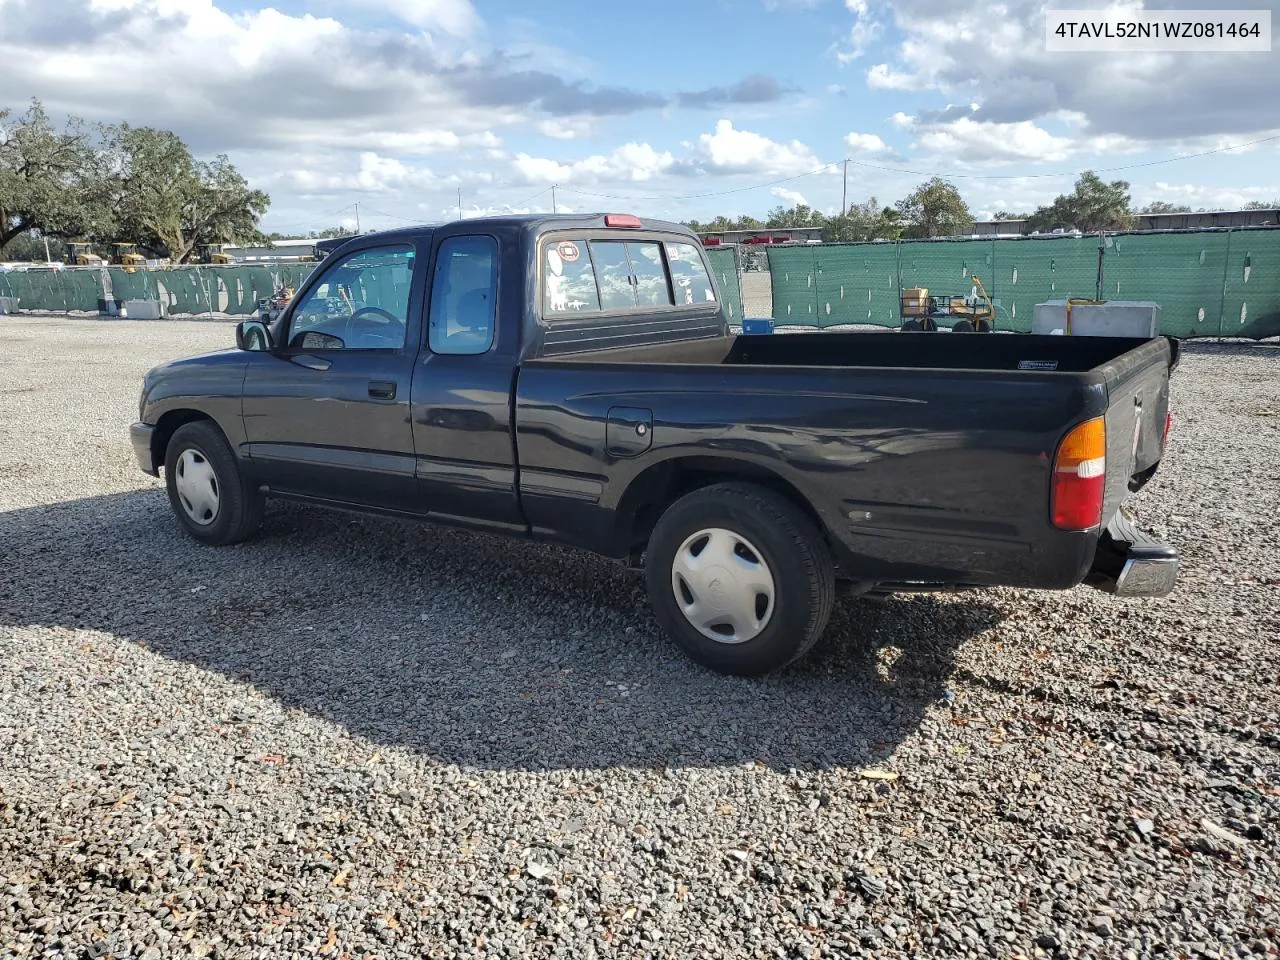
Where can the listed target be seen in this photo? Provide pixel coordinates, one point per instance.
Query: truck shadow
(467, 648)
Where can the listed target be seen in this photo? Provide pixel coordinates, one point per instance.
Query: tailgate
(1137, 384)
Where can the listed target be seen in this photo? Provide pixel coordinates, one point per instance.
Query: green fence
(724, 264)
(183, 290)
(1208, 284)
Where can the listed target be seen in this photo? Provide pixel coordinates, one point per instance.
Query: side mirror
(253, 335)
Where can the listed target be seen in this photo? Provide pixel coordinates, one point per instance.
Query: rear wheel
(207, 489)
(740, 578)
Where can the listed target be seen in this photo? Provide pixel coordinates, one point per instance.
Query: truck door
(327, 414)
(462, 382)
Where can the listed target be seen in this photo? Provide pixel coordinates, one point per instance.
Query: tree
(48, 178)
(864, 221)
(1094, 205)
(172, 203)
(330, 232)
(1161, 206)
(30, 247)
(934, 209)
(1262, 205)
(1005, 215)
(801, 215)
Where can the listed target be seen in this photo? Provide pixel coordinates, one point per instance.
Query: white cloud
(883, 77)
(969, 141)
(792, 197)
(1211, 198)
(993, 51)
(498, 210)
(559, 128)
(632, 162)
(728, 150)
(375, 174)
(865, 143)
(902, 120)
(862, 33)
(455, 17)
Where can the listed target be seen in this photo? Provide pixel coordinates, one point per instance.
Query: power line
(393, 216)
(529, 199)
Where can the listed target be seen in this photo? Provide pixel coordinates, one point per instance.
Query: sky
(676, 109)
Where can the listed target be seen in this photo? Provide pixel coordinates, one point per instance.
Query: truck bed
(927, 457)
(988, 352)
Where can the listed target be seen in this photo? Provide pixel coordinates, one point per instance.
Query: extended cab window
(360, 303)
(463, 296)
(688, 275)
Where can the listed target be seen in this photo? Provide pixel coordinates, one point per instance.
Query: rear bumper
(1130, 563)
(140, 434)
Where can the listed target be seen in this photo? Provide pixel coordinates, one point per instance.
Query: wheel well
(657, 488)
(165, 428)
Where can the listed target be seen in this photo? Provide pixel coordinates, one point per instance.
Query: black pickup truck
(574, 379)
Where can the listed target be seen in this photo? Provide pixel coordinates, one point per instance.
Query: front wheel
(208, 492)
(740, 578)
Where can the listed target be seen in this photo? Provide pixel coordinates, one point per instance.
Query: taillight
(1168, 428)
(1080, 476)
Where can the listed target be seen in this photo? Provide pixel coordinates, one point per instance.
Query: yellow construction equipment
(127, 256)
(81, 255)
(212, 253)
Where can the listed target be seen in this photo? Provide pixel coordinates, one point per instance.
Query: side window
(360, 303)
(464, 294)
(688, 275)
(568, 281)
(613, 273)
(650, 274)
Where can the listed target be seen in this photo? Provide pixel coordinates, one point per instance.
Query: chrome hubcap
(722, 585)
(197, 487)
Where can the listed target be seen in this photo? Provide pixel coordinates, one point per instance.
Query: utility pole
(357, 218)
(459, 203)
(47, 258)
(844, 202)
(553, 198)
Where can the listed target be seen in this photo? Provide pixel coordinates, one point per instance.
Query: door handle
(313, 363)
(382, 389)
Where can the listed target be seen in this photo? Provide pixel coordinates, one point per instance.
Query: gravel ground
(359, 738)
(757, 294)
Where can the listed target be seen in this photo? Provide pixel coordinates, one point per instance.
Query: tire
(984, 326)
(770, 541)
(197, 462)
(962, 326)
(910, 325)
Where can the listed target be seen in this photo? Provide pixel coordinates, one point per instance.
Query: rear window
(580, 275)
(569, 284)
(613, 274)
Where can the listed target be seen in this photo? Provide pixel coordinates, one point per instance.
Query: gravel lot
(360, 738)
